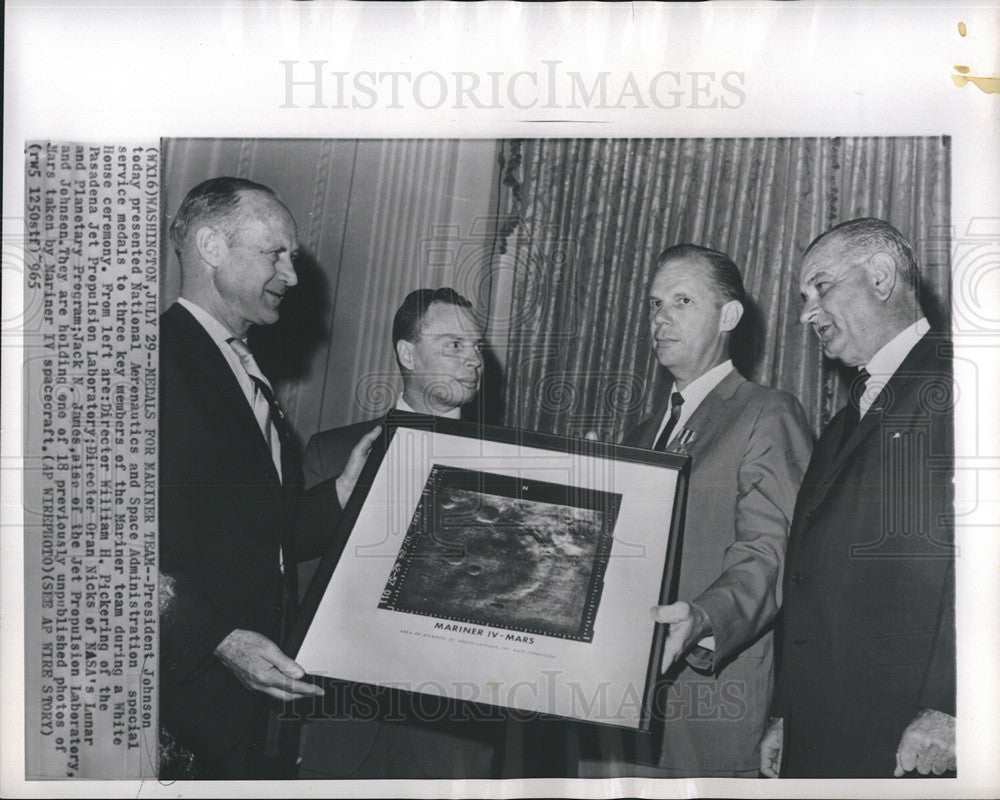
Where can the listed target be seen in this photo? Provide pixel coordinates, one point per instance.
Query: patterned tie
(853, 414)
(265, 406)
(676, 401)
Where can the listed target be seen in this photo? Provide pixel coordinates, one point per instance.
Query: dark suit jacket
(373, 747)
(869, 617)
(224, 513)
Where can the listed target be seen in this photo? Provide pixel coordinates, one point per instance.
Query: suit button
(797, 577)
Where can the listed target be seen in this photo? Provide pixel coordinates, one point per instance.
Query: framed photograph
(501, 567)
(397, 135)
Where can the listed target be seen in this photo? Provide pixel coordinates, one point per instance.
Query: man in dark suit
(228, 486)
(749, 445)
(438, 344)
(866, 684)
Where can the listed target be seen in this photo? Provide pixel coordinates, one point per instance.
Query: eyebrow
(280, 248)
(818, 275)
(811, 280)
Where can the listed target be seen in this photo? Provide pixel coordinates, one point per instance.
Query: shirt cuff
(702, 655)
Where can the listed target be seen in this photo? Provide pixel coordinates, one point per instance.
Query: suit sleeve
(313, 470)
(191, 626)
(746, 596)
(938, 689)
(319, 507)
(318, 514)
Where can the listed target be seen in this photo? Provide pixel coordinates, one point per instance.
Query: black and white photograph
(492, 586)
(635, 307)
(501, 399)
(506, 552)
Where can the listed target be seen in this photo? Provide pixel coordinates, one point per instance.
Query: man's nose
(286, 270)
(809, 308)
(474, 358)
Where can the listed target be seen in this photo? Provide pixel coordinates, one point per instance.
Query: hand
(261, 666)
(688, 624)
(927, 744)
(771, 746)
(356, 462)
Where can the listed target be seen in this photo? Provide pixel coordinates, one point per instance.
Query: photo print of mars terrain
(505, 552)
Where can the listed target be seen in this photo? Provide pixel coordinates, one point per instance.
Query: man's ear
(881, 275)
(404, 352)
(730, 315)
(211, 245)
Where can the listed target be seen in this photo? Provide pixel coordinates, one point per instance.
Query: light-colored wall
(376, 219)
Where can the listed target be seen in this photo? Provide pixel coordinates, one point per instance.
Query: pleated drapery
(584, 220)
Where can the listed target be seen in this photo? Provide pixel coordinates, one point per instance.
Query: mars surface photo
(506, 552)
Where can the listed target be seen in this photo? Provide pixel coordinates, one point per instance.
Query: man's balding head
(236, 243)
(859, 288)
(217, 202)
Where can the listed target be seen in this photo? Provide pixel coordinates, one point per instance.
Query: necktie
(853, 414)
(265, 406)
(676, 401)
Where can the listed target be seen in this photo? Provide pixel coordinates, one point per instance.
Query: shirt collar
(699, 388)
(220, 333)
(887, 360)
(402, 405)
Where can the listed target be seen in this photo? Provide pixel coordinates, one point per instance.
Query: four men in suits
(749, 445)
(438, 344)
(866, 686)
(229, 481)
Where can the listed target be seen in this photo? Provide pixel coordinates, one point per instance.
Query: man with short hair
(749, 445)
(438, 344)
(866, 685)
(229, 482)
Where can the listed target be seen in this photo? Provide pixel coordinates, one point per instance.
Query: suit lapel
(222, 390)
(895, 388)
(709, 413)
(701, 422)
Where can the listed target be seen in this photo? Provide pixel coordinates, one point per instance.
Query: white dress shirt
(693, 394)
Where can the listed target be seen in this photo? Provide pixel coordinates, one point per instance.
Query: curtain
(376, 219)
(584, 220)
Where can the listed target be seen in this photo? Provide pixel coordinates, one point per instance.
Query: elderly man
(866, 685)
(749, 445)
(228, 484)
(438, 344)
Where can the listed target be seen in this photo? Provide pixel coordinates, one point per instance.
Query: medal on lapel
(681, 441)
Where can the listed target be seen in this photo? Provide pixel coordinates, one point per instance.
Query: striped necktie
(265, 406)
